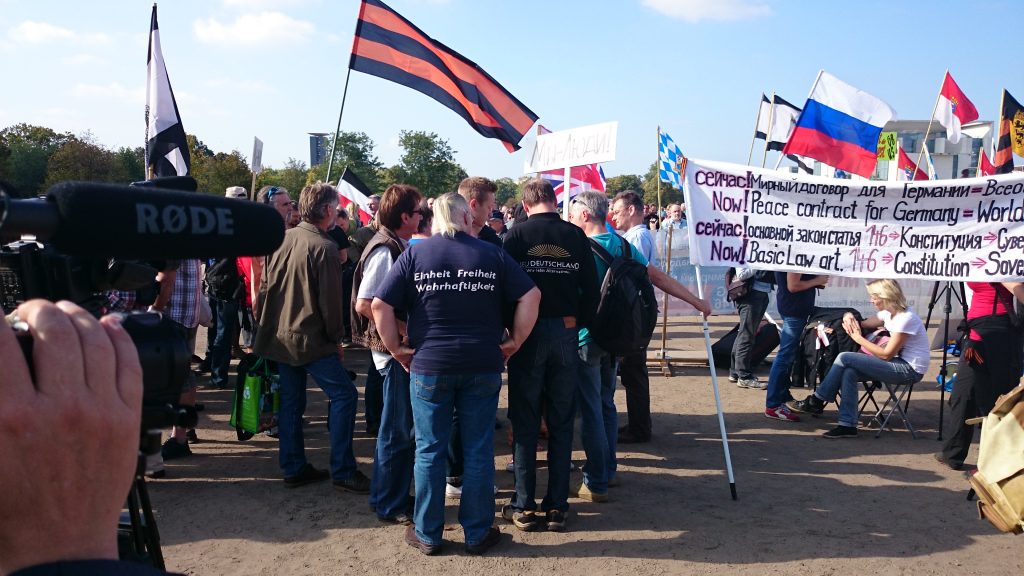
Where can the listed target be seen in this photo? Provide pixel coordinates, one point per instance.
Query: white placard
(574, 147)
(257, 155)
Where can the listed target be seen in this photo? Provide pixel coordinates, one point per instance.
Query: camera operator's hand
(69, 437)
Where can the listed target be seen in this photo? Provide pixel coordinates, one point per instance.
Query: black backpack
(222, 280)
(628, 310)
(813, 358)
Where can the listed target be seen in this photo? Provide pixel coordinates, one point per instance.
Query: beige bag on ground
(999, 481)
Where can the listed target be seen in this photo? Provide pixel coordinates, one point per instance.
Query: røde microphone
(116, 221)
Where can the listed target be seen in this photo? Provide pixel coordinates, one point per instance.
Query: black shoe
(628, 437)
(810, 405)
(203, 366)
(357, 483)
(173, 449)
(948, 463)
(191, 435)
(413, 540)
(493, 537)
(555, 520)
(840, 432)
(199, 407)
(401, 518)
(307, 475)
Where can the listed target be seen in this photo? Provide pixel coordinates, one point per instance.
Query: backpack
(628, 310)
(736, 289)
(999, 481)
(222, 279)
(822, 341)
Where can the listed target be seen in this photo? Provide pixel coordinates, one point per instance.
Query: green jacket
(300, 303)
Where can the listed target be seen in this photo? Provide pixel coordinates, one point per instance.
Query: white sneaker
(453, 492)
(510, 466)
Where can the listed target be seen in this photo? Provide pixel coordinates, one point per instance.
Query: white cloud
(253, 29)
(30, 32)
(697, 10)
(113, 91)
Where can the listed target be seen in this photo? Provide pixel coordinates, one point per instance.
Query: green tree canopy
(85, 161)
(356, 151)
(216, 173)
(26, 153)
(508, 192)
(294, 177)
(617, 184)
(428, 163)
(669, 193)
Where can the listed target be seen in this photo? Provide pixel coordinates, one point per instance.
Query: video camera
(91, 238)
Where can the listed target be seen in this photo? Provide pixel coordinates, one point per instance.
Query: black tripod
(138, 537)
(948, 291)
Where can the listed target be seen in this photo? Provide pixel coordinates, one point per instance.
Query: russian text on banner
(968, 229)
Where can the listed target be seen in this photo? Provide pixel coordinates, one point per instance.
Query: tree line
(33, 158)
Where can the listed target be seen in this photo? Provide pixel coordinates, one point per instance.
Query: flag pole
(753, 138)
(711, 357)
(767, 137)
(924, 143)
(668, 259)
(997, 133)
(782, 154)
(337, 131)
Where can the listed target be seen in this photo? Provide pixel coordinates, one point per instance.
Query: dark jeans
(396, 447)
(542, 377)
(219, 349)
(751, 309)
(373, 398)
(633, 370)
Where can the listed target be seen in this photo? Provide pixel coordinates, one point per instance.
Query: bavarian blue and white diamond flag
(166, 147)
(669, 161)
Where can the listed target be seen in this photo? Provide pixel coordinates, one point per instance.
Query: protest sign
(968, 229)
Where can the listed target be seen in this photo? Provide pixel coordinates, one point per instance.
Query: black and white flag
(166, 147)
(783, 119)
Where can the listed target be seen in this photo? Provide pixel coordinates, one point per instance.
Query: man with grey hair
(301, 329)
(455, 360)
(599, 429)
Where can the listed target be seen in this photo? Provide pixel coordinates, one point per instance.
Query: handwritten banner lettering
(970, 229)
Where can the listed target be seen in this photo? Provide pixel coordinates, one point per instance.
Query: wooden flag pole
(924, 143)
(997, 134)
(665, 367)
(813, 86)
(757, 123)
(767, 137)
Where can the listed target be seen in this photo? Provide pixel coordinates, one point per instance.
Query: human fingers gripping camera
(69, 433)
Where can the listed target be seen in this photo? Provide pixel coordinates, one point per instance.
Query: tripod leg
(152, 534)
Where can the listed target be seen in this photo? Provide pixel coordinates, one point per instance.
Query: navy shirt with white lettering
(453, 290)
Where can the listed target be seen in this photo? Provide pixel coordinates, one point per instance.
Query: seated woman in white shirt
(902, 360)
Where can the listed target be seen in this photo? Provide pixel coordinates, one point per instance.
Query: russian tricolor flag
(840, 126)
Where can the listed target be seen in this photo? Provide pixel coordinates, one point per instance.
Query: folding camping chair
(896, 402)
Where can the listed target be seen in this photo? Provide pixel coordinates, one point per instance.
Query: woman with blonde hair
(901, 360)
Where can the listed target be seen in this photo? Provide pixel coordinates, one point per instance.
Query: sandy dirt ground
(806, 504)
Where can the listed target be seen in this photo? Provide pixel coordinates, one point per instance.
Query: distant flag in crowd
(953, 109)
(783, 121)
(1011, 134)
(907, 170)
(670, 160)
(985, 167)
(351, 190)
(764, 114)
(390, 47)
(840, 126)
(166, 146)
(801, 163)
(928, 163)
(582, 178)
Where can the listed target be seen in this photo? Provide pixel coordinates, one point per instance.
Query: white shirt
(915, 345)
(376, 267)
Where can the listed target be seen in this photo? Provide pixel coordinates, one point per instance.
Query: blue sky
(276, 68)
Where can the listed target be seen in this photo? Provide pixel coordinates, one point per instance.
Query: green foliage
(617, 184)
(508, 192)
(428, 163)
(216, 173)
(133, 162)
(25, 151)
(293, 177)
(669, 193)
(85, 161)
(356, 151)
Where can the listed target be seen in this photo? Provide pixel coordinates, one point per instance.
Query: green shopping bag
(252, 376)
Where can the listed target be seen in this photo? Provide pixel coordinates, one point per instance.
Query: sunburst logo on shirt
(548, 250)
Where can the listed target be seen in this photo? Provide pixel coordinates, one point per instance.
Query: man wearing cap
(497, 223)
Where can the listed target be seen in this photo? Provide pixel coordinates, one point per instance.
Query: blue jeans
(789, 343)
(542, 377)
(396, 448)
(599, 427)
(849, 369)
(329, 373)
(226, 313)
(434, 400)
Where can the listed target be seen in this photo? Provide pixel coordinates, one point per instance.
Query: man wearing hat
(236, 192)
(497, 223)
